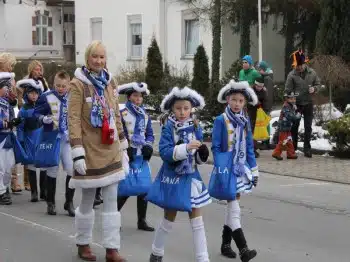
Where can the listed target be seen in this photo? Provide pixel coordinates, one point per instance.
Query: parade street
(285, 219)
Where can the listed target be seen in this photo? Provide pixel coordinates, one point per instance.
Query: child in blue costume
(181, 150)
(52, 110)
(7, 138)
(138, 130)
(29, 130)
(232, 132)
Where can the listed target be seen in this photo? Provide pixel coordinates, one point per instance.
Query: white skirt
(245, 182)
(199, 194)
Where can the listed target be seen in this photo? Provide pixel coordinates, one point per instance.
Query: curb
(210, 162)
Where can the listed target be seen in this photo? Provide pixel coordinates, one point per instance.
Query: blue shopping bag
(171, 191)
(138, 181)
(29, 144)
(47, 153)
(222, 184)
(19, 152)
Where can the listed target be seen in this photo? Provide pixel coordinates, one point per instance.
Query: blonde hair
(7, 60)
(91, 48)
(62, 74)
(34, 64)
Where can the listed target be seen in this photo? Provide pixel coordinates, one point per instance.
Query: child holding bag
(52, 109)
(139, 133)
(178, 185)
(29, 130)
(235, 169)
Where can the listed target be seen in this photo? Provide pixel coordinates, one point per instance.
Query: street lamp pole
(260, 29)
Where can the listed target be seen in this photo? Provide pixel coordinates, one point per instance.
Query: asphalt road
(285, 219)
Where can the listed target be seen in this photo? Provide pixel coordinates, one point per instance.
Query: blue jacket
(220, 141)
(30, 122)
(287, 117)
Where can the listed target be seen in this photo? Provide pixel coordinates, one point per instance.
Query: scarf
(99, 106)
(62, 121)
(239, 122)
(183, 129)
(4, 109)
(137, 140)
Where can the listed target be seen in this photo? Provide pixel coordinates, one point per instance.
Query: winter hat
(259, 81)
(263, 66)
(30, 85)
(238, 87)
(5, 79)
(248, 58)
(128, 89)
(182, 94)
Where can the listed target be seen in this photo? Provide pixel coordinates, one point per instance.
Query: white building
(34, 29)
(127, 27)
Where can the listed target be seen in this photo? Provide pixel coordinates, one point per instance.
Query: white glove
(47, 120)
(80, 166)
(298, 115)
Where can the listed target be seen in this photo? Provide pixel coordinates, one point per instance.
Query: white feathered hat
(182, 94)
(133, 87)
(5, 79)
(31, 84)
(238, 87)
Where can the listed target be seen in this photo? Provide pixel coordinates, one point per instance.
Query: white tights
(233, 215)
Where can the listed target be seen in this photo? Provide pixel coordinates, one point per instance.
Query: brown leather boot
(85, 253)
(15, 187)
(26, 179)
(112, 255)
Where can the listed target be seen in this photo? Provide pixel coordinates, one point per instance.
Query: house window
(191, 36)
(96, 28)
(42, 34)
(134, 36)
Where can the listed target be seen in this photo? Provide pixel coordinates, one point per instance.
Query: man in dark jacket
(304, 81)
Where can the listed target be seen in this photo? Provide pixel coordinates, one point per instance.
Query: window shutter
(33, 20)
(50, 38)
(50, 22)
(34, 38)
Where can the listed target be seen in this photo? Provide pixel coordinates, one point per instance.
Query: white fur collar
(7, 75)
(81, 76)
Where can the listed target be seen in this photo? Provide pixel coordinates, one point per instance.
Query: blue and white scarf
(99, 104)
(4, 110)
(239, 122)
(183, 129)
(62, 121)
(137, 140)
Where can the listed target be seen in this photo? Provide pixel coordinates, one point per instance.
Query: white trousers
(7, 162)
(66, 159)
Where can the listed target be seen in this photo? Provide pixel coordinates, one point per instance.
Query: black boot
(42, 184)
(33, 185)
(98, 197)
(141, 214)
(154, 258)
(244, 252)
(50, 195)
(121, 201)
(226, 249)
(5, 199)
(68, 205)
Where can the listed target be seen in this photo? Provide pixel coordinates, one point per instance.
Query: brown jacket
(103, 162)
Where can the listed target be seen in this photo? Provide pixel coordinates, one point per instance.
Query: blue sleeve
(149, 132)
(166, 145)
(250, 149)
(42, 108)
(20, 127)
(199, 133)
(216, 136)
(1, 124)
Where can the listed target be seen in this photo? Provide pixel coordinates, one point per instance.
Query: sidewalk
(318, 167)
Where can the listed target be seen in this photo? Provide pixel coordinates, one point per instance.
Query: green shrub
(339, 133)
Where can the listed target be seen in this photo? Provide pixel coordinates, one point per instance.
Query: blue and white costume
(180, 164)
(52, 104)
(30, 128)
(232, 133)
(138, 131)
(7, 139)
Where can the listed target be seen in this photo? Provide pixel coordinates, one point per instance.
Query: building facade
(127, 27)
(42, 30)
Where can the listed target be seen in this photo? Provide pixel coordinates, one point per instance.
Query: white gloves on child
(78, 156)
(47, 120)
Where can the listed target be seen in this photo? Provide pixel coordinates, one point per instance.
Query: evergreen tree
(333, 37)
(154, 69)
(200, 80)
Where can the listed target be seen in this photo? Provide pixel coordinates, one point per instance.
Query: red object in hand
(107, 133)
